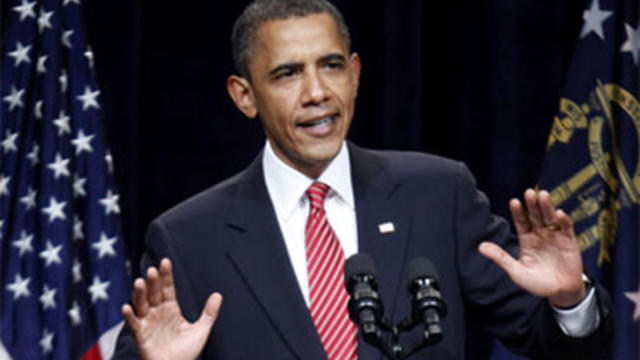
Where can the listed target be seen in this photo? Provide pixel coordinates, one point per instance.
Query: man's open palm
(160, 330)
(549, 263)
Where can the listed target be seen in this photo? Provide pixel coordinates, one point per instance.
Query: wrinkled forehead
(298, 37)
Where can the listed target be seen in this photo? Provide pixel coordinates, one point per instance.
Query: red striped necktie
(328, 296)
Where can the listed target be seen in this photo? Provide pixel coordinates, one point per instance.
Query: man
(256, 238)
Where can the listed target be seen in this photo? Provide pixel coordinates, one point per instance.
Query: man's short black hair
(243, 35)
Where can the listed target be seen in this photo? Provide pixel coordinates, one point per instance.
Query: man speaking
(273, 239)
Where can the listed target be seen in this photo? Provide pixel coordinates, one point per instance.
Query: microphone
(427, 306)
(366, 309)
(365, 306)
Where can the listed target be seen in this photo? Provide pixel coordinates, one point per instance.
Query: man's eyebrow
(287, 66)
(333, 57)
(295, 66)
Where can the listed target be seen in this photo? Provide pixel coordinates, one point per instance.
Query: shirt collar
(287, 186)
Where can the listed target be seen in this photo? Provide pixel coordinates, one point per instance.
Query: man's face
(304, 84)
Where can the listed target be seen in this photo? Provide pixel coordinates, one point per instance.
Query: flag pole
(2, 30)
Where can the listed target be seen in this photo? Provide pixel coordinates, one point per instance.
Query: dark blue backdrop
(476, 80)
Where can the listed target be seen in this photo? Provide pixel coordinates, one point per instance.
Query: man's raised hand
(160, 330)
(549, 263)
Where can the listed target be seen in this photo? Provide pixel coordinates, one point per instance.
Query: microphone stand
(366, 309)
(393, 350)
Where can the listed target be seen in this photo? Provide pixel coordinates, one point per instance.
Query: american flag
(62, 266)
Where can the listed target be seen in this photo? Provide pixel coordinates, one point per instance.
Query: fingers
(502, 258)
(210, 311)
(565, 223)
(166, 280)
(533, 208)
(160, 283)
(540, 213)
(520, 217)
(140, 297)
(547, 210)
(130, 317)
(158, 287)
(154, 295)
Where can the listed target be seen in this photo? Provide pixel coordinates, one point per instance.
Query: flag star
(66, 2)
(25, 10)
(19, 287)
(74, 314)
(1, 224)
(89, 55)
(76, 270)
(20, 54)
(46, 343)
(78, 186)
(98, 290)
(47, 298)
(44, 20)
(82, 142)
(24, 243)
(9, 142)
(55, 210)
(15, 98)
(4, 185)
(89, 98)
(40, 68)
(37, 109)
(632, 44)
(66, 38)
(62, 122)
(29, 200)
(593, 19)
(64, 81)
(59, 167)
(105, 246)
(77, 228)
(109, 160)
(33, 155)
(51, 255)
(110, 203)
(635, 297)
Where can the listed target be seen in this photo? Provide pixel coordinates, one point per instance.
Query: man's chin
(314, 161)
(323, 153)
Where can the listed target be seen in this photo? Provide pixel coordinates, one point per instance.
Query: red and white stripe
(106, 345)
(328, 296)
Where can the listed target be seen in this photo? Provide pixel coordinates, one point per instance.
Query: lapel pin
(386, 228)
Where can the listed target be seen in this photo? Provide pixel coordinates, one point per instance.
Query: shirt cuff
(581, 320)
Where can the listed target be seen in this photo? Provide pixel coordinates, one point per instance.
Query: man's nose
(315, 89)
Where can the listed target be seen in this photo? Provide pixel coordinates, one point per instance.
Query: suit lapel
(260, 255)
(261, 258)
(374, 188)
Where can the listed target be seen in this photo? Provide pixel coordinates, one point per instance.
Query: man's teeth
(318, 123)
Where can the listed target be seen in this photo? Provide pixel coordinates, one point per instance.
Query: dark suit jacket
(227, 239)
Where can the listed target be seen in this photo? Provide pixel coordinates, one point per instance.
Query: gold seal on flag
(619, 188)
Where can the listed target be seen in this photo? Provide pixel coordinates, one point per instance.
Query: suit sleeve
(523, 322)
(158, 246)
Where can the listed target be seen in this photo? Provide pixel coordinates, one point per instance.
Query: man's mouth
(318, 124)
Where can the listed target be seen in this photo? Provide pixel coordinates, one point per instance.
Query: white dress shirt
(287, 190)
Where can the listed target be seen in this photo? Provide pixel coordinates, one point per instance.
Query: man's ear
(242, 95)
(356, 67)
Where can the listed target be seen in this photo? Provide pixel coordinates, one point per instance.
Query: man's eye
(285, 74)
(334, 65)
